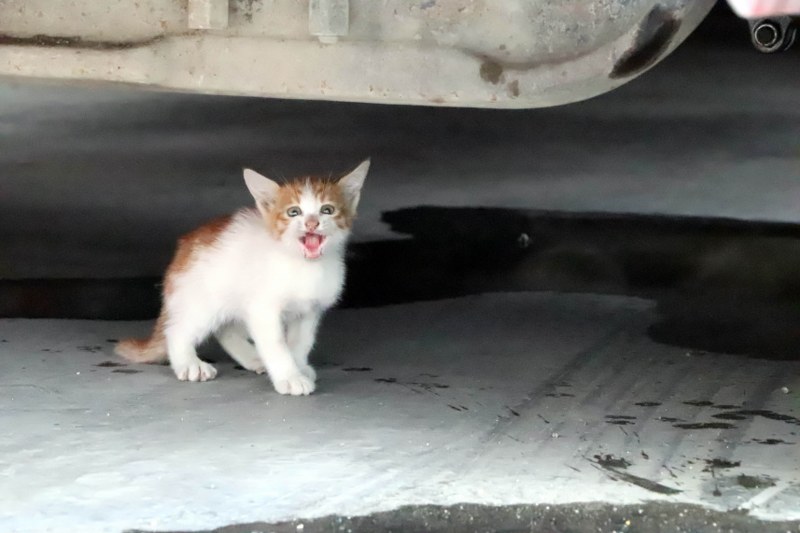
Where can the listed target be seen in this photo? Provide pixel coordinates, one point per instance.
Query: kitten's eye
(294, 212)
(327, 209)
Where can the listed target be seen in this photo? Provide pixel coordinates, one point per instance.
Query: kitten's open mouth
(312, 245)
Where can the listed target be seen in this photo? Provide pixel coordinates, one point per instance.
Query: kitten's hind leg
(184, 361)
(233, 339)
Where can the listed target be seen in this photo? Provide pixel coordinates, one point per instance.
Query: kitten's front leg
(267, 331)
(183, 357)
(301, 332)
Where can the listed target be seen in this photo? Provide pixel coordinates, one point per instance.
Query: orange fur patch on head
(329, 192)
(326, 190)
(288, 195)
(190, 245)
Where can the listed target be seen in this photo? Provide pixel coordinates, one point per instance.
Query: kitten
(267, 273)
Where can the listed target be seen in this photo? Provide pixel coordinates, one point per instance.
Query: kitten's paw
(198, 371)
(297, 385)
(309, 372)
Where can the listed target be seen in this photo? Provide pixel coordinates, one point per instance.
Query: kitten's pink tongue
(311, 245)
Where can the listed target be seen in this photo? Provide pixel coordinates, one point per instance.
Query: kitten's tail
(149, 350)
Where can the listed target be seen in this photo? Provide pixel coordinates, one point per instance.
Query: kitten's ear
(351, 184)
(262, 188)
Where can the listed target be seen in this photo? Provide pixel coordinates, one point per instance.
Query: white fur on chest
(300, 285)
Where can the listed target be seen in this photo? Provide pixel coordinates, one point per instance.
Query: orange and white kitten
(267, 273)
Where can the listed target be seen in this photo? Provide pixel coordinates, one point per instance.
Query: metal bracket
(328, 19)
(208, 14)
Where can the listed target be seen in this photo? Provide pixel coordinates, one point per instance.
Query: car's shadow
(720, 285)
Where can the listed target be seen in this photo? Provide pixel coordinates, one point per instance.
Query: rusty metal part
(464, 53)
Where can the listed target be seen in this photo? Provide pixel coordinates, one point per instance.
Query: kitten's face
(310, 216)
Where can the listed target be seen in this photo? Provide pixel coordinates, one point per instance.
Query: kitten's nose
(312, 223)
